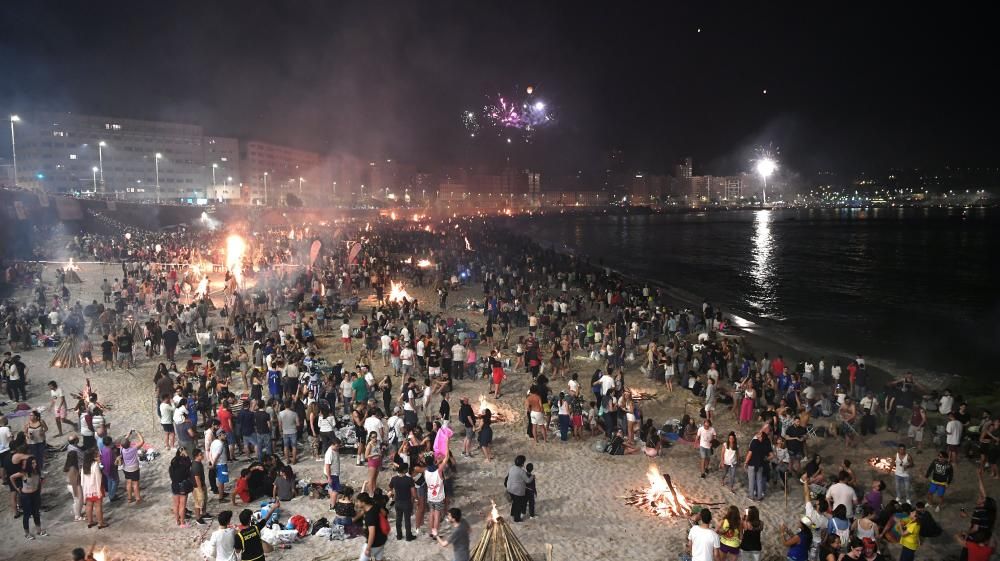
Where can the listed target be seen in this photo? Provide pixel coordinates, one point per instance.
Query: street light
(766, 167)
(214, 167)
(300, 185)
(229, 180)
(156, 166)
(94, 169)
(13, 148)
(100, 161)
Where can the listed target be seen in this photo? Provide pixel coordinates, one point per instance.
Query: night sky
(850, 86)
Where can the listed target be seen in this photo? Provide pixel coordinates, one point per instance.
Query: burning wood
(498, 542)
(499, 413)
(884, 465)
(660, 498)
(398, 293)
(641, 395)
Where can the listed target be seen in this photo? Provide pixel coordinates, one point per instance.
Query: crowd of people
(262, 395)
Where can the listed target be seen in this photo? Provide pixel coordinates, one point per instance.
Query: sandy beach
(580, 507)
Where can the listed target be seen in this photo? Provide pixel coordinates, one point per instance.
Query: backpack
(383, 522)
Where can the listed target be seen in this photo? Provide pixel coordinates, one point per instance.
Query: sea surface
(911, 289)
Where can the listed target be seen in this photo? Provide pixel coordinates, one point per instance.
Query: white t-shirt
(705, 436)
(704, 542)
(332, 458)
(809, 392)
(947, 402)
(841, 494)
(386, 342)
(574, 387)
(835, 373)
(729, 456)
(224, 542)
(5, 436)
(607, 383)
(347, 389)
(954, 431)
(57, 395)
(345, 331)
(219, 453)
(166, 414)
(373, 424)
(180, 414)
(902, 467)
(406, 355)
(435, 486)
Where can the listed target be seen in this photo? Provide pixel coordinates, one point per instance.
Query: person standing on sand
(759, 452)
(703, 542)
(516, 483)
(706, 434)
(918, 420)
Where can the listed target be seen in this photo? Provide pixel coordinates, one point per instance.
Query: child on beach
(242, 489)
(530, 490)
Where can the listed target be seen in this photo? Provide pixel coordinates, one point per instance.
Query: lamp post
(214, 167)
(94, 169)
(300, 185)
(13, 147)
(100, 161)
(156, 166)
(766, 167)
(265, 188)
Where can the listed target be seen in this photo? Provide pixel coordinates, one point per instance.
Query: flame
(235, 249)
(427, 228)
(291, 234)
(101, 554)
(71, 266)
(392, 215)
(664, 501)
(202, 287)
(468, 246)
(484, 405)
(494, 513)
(881, 464)
(398, 293)
(424, 263)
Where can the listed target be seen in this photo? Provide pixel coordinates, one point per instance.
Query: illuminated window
(72, 156)
(58, 133)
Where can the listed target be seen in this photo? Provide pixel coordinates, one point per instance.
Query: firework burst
(508, 115)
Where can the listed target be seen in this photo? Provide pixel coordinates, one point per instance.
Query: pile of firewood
(498, 543)
(67, 354)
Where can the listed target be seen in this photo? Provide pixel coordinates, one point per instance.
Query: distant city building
(271, 172)
(57, 153)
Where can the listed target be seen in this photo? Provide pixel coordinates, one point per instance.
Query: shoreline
(758, 341)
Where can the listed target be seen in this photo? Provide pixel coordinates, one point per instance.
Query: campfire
(661, 498)
(424, 263)
(70, 273)
(498, 542)
(641, 395)
(398, 293)
(499, 413)
(235, 249)
(884, 465)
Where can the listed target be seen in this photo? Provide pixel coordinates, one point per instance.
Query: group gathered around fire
(246, 396)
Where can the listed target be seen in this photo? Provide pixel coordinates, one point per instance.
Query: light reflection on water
(762, 274)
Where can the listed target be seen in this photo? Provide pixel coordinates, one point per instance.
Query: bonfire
(499, 413)
(641, 395)
(498, 542)
(398, 293)
(661, 498)
(70, 273)
(884, 465)
(67, 354)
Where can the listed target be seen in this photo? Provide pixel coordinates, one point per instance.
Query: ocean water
(911, 289)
